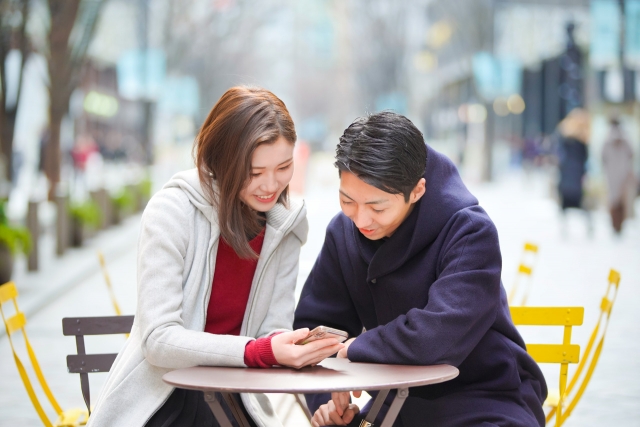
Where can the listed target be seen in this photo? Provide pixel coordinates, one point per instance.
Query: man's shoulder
(339, 226)
(471, 218)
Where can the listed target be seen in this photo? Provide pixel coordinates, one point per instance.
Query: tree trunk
(65, 64)
(7, 128)
(63, 17)
(11, 38)
(52, 153)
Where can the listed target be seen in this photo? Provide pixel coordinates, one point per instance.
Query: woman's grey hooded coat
(176, 260)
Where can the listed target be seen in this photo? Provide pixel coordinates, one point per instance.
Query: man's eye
(345, 202)
(378, 211)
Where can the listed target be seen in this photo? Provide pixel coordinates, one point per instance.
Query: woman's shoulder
(169, 196)
(168, 204)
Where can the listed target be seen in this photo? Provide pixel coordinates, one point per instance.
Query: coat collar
(385, 257)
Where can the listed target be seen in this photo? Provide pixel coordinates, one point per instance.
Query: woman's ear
(418, 191)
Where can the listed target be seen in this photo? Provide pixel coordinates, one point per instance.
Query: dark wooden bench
(83, 363)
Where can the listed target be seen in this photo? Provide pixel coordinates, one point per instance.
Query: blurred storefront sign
(318, 32)
(141, 74)
(632, 34)
(439, 34)
(314, 130)
(533, 31)
(394, 101)
(605, 33)
(100, 104)
(496, 77)
(180, 96)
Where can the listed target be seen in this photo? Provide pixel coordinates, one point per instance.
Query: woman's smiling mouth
(266, 199)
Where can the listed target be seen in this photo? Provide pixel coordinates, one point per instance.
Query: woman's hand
(328, 414)
(287, 353)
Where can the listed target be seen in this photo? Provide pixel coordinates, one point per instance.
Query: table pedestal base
(393, 412)
(212, 399)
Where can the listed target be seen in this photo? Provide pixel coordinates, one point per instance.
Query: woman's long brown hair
(242, 119)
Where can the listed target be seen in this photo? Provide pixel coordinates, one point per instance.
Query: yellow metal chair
(107, 279)
(523, 276)
(589, 358)
(564, 353)
(13, 324)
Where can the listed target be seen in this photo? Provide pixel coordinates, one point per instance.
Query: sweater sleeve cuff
(259, 354)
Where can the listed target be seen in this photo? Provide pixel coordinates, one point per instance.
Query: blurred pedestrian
(617, 162)
(572, 157)
(84, 147)
(83, 150)
(573, 152)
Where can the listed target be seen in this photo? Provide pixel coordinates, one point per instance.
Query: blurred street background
(536, 101)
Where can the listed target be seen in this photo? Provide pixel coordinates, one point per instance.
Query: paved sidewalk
(572, 270)
(58, 275)
(71, 285)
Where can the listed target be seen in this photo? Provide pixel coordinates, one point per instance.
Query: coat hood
(281, 218)
(444, 196)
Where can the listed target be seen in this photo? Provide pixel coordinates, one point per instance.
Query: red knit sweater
(228, 302)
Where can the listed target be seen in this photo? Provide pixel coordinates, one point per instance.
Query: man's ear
(418, 191)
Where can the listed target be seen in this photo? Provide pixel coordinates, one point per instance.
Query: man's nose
(361, 219)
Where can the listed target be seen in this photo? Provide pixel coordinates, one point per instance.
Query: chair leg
(232, 403)
(86, 392)
(218, 412)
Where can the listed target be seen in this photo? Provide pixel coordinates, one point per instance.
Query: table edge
(389, 386)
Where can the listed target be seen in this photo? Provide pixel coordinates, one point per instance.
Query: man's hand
(287, 353)
(328, 415)
(342, 399)
(342, 354)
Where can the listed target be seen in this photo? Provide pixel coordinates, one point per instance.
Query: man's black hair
(384, 150)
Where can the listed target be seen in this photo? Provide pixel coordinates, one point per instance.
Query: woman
(573, 153)
(217, 266)
(572, 157)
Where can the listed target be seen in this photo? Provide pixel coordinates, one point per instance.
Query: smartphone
(323, 332)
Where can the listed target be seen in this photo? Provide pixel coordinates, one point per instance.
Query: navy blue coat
(430, 294)
(572, 159)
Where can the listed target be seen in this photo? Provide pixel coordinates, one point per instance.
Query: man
(416, 262)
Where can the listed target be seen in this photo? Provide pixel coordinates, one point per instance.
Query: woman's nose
(270, 184)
